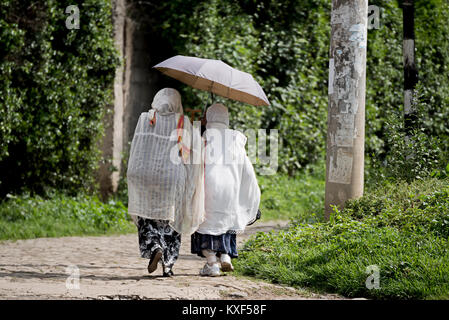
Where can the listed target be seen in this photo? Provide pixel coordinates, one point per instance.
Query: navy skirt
(224, 243)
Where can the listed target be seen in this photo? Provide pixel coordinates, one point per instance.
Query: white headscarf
(217, 114)
(166, 101)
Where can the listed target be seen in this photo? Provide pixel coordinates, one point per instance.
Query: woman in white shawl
(232, 195)
(165, 191)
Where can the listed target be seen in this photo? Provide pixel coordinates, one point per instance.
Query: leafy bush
(411, 155)
(54, 86)
(400, 228)
(32, 217)
(406, 207)
(384, 111)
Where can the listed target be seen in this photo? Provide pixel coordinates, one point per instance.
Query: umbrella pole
(203, 117)
(212, 101)
(204, 110)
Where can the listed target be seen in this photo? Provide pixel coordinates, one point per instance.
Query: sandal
(168, 274)
(152, 265)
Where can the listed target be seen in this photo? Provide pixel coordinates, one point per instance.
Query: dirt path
(110, 268)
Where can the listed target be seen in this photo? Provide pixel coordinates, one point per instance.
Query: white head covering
(217, 113)
(167, 100)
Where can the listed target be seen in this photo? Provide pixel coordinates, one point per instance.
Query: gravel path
(110, 268)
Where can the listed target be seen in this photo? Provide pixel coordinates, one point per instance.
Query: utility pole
(346, 111)
(410, 72)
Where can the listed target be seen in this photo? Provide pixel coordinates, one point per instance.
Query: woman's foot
(152, 265)
(168, 273)
(226, 265)
(210, 270)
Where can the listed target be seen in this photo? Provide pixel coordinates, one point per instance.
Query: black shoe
(168, 274)
(152, 265)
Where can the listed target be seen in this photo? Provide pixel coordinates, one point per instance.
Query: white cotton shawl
(232, 195)
(160, 185)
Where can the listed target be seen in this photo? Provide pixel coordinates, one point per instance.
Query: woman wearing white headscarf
(165, 190)
(232, 195)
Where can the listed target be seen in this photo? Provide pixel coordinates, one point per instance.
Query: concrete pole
(410, 72)
(346, 112)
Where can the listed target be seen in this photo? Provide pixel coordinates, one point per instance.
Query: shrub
(421, 206)
(411, 155)
(54, 86)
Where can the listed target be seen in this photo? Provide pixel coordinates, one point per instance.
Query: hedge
(55, 83)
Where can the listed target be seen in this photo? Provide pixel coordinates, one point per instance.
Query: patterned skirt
(157, 234)
(223, 243)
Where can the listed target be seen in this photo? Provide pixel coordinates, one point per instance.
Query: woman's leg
(225, 243)
(157, 234)
(171, 243)
(211, 256)
(149, 237)
(211, 268)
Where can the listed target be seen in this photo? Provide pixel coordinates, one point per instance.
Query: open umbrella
(216, 77)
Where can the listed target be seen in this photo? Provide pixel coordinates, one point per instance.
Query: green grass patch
(24, 217)
(299, 198)
(401, 228)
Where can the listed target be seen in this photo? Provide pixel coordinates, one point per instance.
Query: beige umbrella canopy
(215, 76)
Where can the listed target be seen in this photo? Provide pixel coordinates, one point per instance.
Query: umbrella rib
(196, 79)
(229, 86)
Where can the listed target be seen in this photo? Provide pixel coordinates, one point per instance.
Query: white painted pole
(346, 111)
(410, 72)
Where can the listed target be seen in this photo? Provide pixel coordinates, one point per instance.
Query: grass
(299, 198)
(27, 217)
(401, 228)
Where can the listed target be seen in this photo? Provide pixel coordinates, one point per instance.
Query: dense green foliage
(285, 45)
(32, 217)
(414, 156)
(55, 84)
(401, 228)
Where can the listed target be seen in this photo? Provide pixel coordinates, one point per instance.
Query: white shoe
(226, 264)
(210, 270)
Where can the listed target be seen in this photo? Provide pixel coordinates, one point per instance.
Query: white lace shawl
(160, 185)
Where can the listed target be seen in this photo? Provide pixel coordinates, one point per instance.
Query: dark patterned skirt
(157, 234)
(224, 243)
